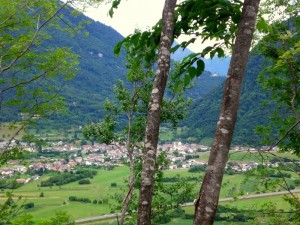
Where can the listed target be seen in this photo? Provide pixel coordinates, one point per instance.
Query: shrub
(176, 213)
(68, 177)
(113, 184)
(297, 182)
(72, 198)
(85, 181)
(29, 205)
(194, 169)
(161, 219)
(188, 216)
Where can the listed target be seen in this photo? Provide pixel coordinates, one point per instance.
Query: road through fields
(250, 196)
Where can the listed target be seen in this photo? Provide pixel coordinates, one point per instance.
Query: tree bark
(206, 204)
(128, 196)
(153, 115)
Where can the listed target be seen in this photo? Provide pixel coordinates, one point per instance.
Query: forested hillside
(99, 68)
(98, 71)
(202, 119)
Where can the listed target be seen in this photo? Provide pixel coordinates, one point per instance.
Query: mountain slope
(215, 65)
(98, 71)
(201, 121)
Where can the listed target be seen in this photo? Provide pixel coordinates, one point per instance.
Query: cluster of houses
(104, 155)
(11, 171)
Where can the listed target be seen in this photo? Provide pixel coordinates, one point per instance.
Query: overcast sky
(131, 14)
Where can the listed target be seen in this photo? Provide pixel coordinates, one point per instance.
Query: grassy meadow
(56, 198)
(8, 131)
(245, 204)
(241, 156)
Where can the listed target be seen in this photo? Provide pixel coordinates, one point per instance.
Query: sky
(132, 14)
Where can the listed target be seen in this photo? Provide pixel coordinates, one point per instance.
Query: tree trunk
(153, 115)
(128, 196)
(206, 204)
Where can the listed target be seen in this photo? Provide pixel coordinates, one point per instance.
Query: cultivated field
(56, 198)
(8, 131)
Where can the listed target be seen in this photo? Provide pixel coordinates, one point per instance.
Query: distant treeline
(176, 178)
(87, 200)
(196, 169)
(9, 183)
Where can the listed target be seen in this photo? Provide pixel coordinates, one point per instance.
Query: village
(179, 155)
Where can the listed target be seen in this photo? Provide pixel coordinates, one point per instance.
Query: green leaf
(111, 12)
(212, 54)
(174, 49)
(117, 48)
(176, 86)
(220, 52)
(206, 50)
(135, 38)
(187, 79)
(114, 5)
(200, 67)
(262, 25)
(192, 72)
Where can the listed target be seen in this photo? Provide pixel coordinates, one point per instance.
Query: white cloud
(130, 14)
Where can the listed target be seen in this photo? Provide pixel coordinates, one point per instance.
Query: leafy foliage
(206, 19)
(270, 214)
(169, 195)
(132, 97)
(60, 218)
(28, 67)
(94, 77)
(9, 209)
(282, 47)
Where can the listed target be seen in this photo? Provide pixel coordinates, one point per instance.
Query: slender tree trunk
(153, 115)
(206, 205)
(130, 150)
(128, 196)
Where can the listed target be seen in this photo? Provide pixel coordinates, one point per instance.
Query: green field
(9, 131)
(248, 204)
(56, 197)
(239, 156)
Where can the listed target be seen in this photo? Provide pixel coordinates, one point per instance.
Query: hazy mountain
(215, 66)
